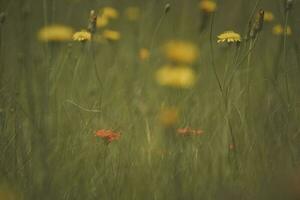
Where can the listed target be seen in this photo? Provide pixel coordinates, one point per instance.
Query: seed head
(260, 20)
(92, 22)
(2, 17)
(257, 26)
(167, 8)
(288, 5)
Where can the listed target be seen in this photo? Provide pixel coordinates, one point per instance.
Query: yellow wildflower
(111, 35)
(180, 51)
(229, 36)
(82, 36)
(144, 54)
(268, 16)
(169, 116)
(208, 6)
(109, 13)
(55, 32)
(106, 14)
(132, 13)
(278, 30)
(178, 77)
(101, 21)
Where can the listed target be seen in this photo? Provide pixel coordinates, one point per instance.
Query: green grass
(51, 104)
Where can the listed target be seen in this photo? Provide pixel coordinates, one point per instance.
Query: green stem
(286, 76)
(248, 75)
(225, 98)
(75, 72)
(161, 19)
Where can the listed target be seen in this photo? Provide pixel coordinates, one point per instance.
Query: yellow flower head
(279, 30)
(181, 52)
(132, 13)
(268, 16)
(178, 77)
(111, 35)
(101, 21)
(109, 13)
(169, 116)
(55, 33)
(82, 36)
(229, 36)
(208, 6)
(144, 54)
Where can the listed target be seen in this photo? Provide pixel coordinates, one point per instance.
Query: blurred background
(152, 99)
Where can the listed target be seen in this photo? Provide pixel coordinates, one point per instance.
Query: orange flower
(169, 116)
(231, 146)
(108, 135)
(144, 54)
(189, 132)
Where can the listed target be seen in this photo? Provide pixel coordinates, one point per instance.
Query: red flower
(108, 135)
(189, 132)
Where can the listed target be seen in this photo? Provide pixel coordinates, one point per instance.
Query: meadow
(149, 99)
